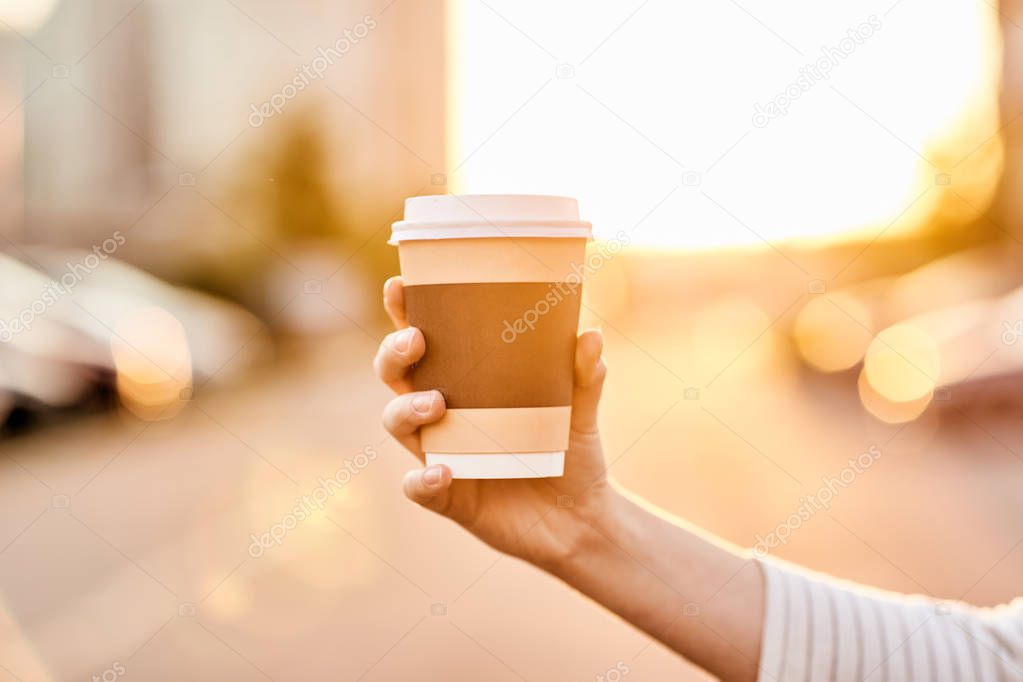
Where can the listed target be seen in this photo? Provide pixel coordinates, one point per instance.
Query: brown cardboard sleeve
(496, 345)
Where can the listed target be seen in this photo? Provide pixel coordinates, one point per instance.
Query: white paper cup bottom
(504, 465)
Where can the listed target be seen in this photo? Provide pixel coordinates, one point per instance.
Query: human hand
(541, 520)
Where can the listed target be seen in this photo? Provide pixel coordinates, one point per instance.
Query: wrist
(587, 531)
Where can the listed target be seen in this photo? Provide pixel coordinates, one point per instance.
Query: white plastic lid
(451, 216)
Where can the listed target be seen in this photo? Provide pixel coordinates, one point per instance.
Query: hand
(521, 517)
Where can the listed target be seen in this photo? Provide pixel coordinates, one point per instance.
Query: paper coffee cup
(495, 282)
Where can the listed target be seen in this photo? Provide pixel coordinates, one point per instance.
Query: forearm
(692, 592)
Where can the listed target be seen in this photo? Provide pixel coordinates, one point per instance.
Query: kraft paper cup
(495, 282)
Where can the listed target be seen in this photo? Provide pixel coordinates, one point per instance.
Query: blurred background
(820, 210)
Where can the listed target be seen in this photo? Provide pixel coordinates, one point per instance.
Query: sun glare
(704, 125)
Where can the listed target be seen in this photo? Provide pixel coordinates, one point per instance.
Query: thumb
(589, 380)
(429, 487)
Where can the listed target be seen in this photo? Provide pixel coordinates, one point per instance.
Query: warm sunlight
(804, 123)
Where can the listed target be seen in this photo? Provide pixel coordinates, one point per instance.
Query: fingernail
(422, 403)
(432, 476)
(402, 340)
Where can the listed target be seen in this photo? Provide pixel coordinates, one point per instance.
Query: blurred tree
(297, 202)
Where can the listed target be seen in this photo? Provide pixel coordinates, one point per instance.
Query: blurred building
(140, 117)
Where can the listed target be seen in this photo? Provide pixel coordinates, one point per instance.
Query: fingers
(590, 371)
(429, 487)
(396, 354)
(405, 414)
(394, 301)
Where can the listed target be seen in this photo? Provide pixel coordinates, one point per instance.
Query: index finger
(394, 301)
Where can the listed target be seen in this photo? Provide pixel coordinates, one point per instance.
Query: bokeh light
(890, 411)
(903, 364)
(832, 331)
(153, 363)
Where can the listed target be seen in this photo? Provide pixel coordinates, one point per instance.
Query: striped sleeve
(820, 628)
